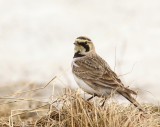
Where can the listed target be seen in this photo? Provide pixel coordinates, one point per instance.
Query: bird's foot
(91, 97)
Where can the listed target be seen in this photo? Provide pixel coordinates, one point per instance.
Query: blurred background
(37, 36)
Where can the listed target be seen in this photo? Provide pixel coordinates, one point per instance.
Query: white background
(36, 39)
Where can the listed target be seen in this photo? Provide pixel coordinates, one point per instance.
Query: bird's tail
(128, 96)
(130, 91)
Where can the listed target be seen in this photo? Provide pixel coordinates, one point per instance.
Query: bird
(93, 74)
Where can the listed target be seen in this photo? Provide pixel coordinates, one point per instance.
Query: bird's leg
(92, 97)
(105, 98)
(103, 102)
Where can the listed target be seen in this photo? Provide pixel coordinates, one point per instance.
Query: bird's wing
(96, 73)
(94, 70)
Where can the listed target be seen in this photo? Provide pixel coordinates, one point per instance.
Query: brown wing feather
(94, 68)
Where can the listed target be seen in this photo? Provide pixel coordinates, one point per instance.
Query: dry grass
(71, 110)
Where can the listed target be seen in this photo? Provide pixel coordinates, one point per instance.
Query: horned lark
(94, 75)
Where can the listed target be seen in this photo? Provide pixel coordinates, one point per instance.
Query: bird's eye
(85, 43)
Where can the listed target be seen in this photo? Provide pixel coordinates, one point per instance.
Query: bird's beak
(75, 43)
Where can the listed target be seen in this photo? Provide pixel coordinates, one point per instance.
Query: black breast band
(77, 54)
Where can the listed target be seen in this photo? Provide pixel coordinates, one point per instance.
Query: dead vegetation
(30, 108)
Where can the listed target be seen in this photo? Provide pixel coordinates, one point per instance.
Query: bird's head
(83, 45)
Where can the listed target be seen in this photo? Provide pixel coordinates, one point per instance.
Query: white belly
(84, 86)
(88, 89)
